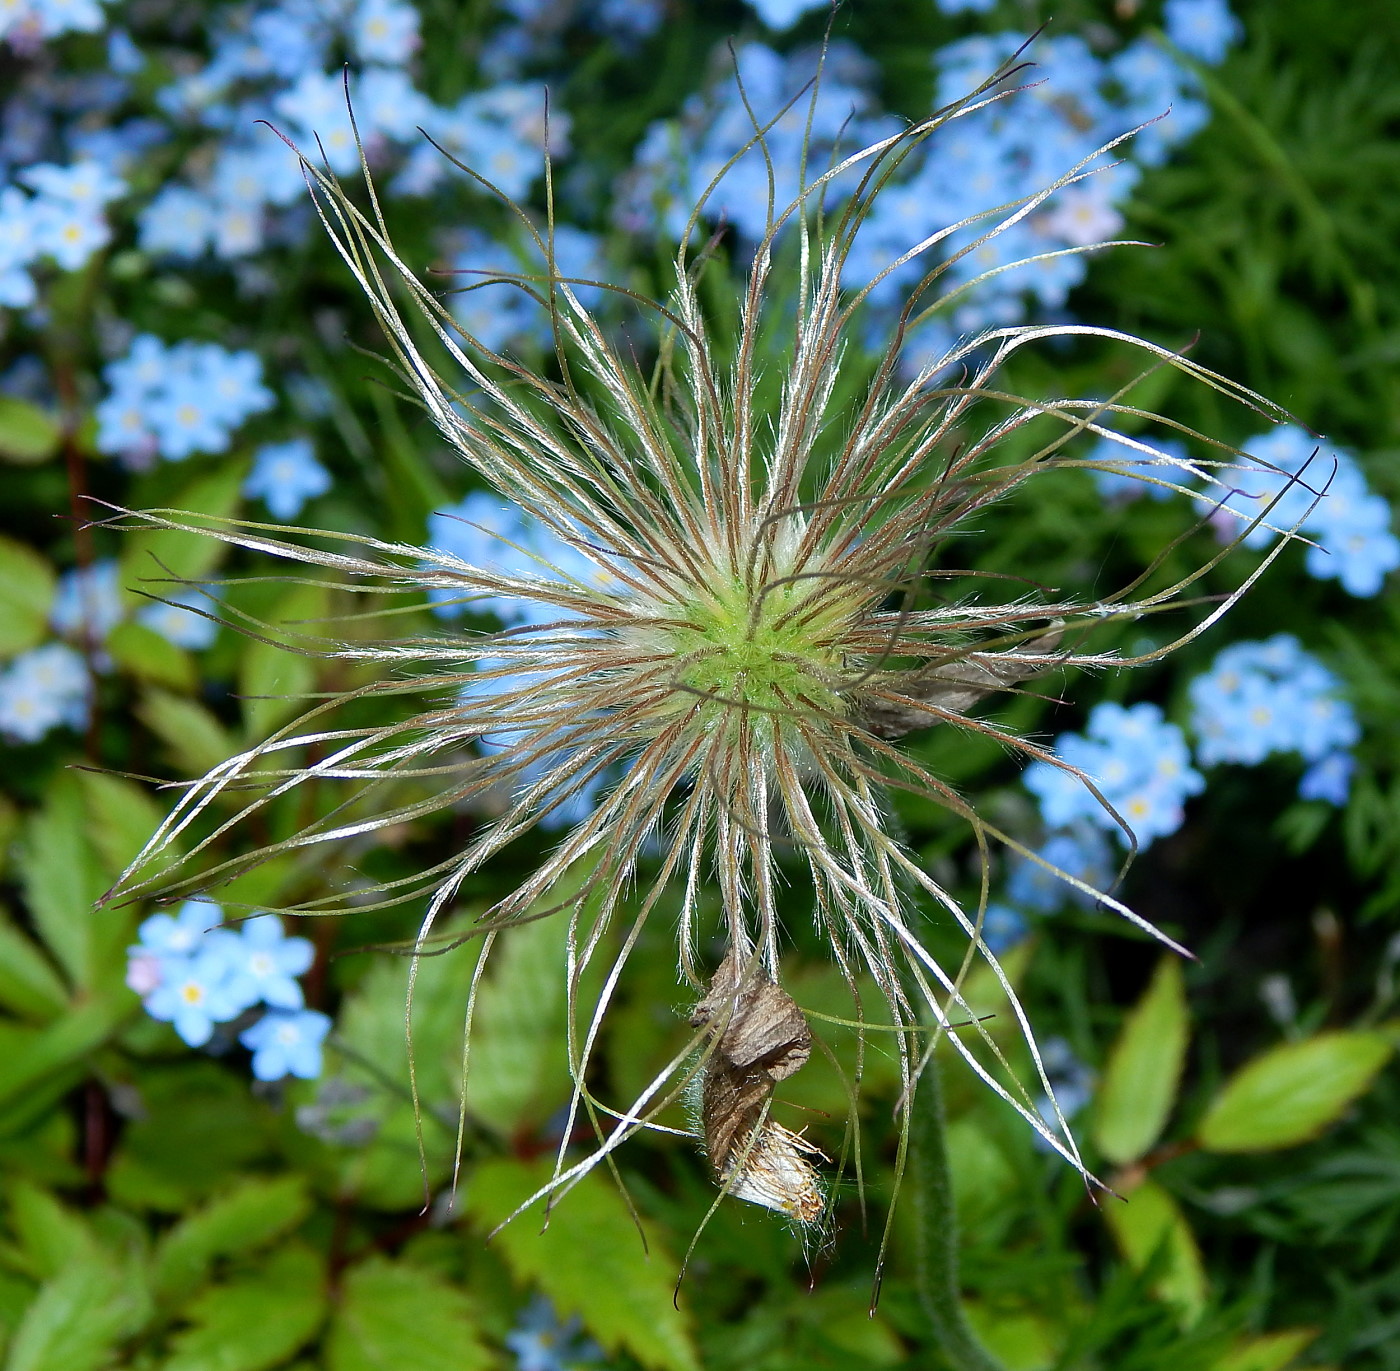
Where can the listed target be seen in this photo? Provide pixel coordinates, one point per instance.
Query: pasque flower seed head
(753, 637)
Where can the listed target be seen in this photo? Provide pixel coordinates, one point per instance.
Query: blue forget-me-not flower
(1261, 698)
(43, 689)
(287, 1044)
(1140, 764)
(285, 476)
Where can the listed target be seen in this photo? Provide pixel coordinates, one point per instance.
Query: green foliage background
(161, 1213)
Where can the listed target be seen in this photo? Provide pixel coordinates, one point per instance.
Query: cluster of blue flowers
(1140, 764)
(677, 159)
(51, 686)
(63, 220)
(26, 23)
(45, 688)
(276, 63)
(1322, 490)
(1263, 698)
(176, 399)
(1259, 699)
(483, 532)
(1079, 853)
(501, 315)
(1072, 103)
(194, 974)
(1299, 480)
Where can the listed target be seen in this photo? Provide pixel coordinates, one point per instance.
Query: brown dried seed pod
(759, 1037)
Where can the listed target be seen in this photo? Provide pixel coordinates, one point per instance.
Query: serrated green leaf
(385, 1173)
(157, 554)
(195, 739)
(50, 1234)
(254, 1321)
(242, 1220)
(61, 878)
(27, 584)
(589, 1261)
(1269, 1352)
(149, 656)
(121, 816)
(1143, 1073)
(80, 1316)
(1292, 1093)
(28, 434)
(35, 1067)
(29, 985)
(519, 1061)
(393, 1315)
(1151, 1231)
(198, 1127)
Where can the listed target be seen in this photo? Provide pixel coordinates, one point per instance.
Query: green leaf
(16, 1295)
(28, 435)
(199, 1125)
(274, 680)
(519, 1060)
(1144, 1069)
(1292, 1093)
(1270, 1352)
(254, 1321)
(1152, 1232)
(589, 1261)
(244, 1219)
(981, 1174)
(154, 555)
(61, 878)
(121, 816)
(51, 1235)
(195, 739)
(9, 827)
(26, 595)
(1021, 1339)
(845, 1322)
(35, 1067)
(147, 655)
(29, 985)
(392, 1315)
(80, 1316)
(386, 1173)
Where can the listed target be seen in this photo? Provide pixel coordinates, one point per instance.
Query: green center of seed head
(768, 651)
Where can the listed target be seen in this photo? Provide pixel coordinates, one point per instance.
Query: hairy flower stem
(937, 1226)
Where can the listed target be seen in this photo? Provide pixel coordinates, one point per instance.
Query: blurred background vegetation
(162, 1209)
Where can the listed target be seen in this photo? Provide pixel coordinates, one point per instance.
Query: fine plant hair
(756, 636)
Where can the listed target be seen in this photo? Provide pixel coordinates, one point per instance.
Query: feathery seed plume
(724, 663)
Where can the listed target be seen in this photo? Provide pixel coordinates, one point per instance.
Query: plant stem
(937, 1239)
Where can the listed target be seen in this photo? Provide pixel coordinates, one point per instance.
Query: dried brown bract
(898, 703)
(757, 1037)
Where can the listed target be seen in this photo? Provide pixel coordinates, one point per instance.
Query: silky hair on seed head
(724, 670)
